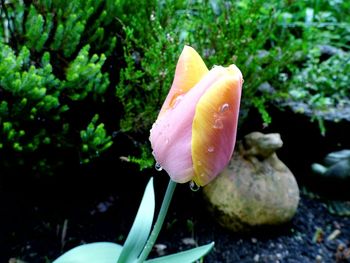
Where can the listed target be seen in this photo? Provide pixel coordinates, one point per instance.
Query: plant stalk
(159, 222)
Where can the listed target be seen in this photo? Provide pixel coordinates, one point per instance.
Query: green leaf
(141, 227)
(187, 256)
(99, 252)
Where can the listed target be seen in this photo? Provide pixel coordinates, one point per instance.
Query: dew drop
(224, 107)
(218, 124)
(211, 149)
(194, 187)
(166, 141)
(158, 167)
(177, 101)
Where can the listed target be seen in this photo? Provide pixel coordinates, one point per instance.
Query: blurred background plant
(67, 84)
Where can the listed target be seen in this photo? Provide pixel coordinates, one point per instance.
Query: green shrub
(57, 59)
(320, 22)
(320, 85)
(324, 84)
(247, 33)
(52, 76)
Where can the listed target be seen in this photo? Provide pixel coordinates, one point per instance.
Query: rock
(160, 249)
(256, 188)
(333, 175)
(335, 157)
(339, 171)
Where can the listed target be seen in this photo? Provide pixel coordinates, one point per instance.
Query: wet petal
(190, 69)
(214, 126)
(171, 135)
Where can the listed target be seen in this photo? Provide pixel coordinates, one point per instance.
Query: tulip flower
(194, 135)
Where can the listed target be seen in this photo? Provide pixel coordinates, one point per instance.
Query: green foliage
(321, 22)
(84, 76)
(95, 139)
(145, 81)
(60, 26)
(222, 33)
(30, 95)
(52, 76)
(324, 84)
(59, 61)
(241, 32)
(146, 160)
(319, 86)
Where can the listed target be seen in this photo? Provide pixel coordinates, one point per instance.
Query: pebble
(189, 241)
(333, 235)
(160, 249)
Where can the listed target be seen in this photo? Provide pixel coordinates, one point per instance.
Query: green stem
(159, 223)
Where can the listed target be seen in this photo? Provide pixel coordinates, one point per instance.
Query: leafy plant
(320, 22)
(246, 33)
(322, 85)
(139, 242)
(52, 55)
(95, 139)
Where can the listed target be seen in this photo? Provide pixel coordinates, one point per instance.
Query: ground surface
(40, 221)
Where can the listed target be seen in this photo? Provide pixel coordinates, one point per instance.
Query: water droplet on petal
(218, 124)
(166, 141)
(177, 101)
(194, 187)
(224, 107)
(211, 149)
(158, 167)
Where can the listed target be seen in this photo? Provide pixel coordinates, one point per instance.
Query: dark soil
(102, 207)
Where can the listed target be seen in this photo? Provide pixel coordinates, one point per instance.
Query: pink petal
(171, 134)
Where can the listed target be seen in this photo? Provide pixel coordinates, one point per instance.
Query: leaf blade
(141, 227)
(98, 252)
(187, 256)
